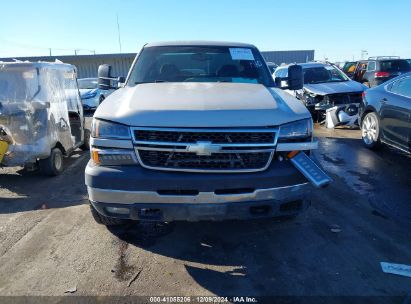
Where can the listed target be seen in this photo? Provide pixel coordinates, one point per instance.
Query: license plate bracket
(310, 170)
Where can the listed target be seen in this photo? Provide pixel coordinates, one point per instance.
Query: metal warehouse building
(280, 57)
(87, 65)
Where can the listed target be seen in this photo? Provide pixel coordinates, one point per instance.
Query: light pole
(119, 37)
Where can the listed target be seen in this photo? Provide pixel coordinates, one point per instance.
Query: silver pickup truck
(199, 131)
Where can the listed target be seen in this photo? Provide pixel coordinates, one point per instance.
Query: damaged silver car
(41, 115)
(326, 87)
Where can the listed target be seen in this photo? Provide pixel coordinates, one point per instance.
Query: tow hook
(309, 169)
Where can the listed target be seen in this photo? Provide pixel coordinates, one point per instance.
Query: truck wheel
(370, 131)
(105, 220)
(52, 165)
(86, 145)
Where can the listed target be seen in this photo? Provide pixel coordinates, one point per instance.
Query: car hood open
(335, 87)
(201, 105)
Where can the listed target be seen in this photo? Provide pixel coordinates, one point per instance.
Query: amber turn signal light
(292, 154)
(94, 157)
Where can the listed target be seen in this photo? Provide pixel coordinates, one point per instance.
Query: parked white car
(199, 131)
(91, 95)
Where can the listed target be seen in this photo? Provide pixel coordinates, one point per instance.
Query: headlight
(106, 129)
(113, 157)
(308, 98)
(297, 129)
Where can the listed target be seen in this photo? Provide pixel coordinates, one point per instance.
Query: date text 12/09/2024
(203, 299)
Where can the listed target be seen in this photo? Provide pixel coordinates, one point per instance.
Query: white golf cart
(41, 115)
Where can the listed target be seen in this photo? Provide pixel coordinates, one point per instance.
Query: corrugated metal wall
(87, 65)
(280, 57)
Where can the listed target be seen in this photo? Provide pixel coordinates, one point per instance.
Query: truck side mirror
(295, 77)
(104, 77)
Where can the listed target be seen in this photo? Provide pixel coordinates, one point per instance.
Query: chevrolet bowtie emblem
(204, 148)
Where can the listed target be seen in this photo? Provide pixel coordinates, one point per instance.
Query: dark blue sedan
(385, 114)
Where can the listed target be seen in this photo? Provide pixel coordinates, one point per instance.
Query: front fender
(363, 111)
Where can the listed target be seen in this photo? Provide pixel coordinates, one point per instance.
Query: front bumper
(145, 194)
(204, 206)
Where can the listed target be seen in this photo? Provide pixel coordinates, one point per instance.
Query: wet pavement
(383, 176)
(50, 243)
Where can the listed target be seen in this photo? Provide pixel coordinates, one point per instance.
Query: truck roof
(199, 43)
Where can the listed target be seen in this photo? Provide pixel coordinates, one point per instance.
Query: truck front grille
(218, 161)
(205, 150)
(214, 137)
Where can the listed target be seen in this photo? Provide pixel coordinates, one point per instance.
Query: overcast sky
(336, 30)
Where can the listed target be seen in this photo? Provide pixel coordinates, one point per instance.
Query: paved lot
(50, 243)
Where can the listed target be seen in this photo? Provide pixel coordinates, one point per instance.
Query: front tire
(105, 220)
(52, 165)
(370, 131)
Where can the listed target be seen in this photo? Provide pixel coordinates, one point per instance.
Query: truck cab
(198, 131)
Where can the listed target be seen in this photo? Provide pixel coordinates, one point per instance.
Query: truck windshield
(200, 64)
(323, 74)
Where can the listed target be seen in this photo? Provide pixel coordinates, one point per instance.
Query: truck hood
(335, 87)
(201, 105)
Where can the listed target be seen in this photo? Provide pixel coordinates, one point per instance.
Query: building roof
(38, 64)
(69, 57)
